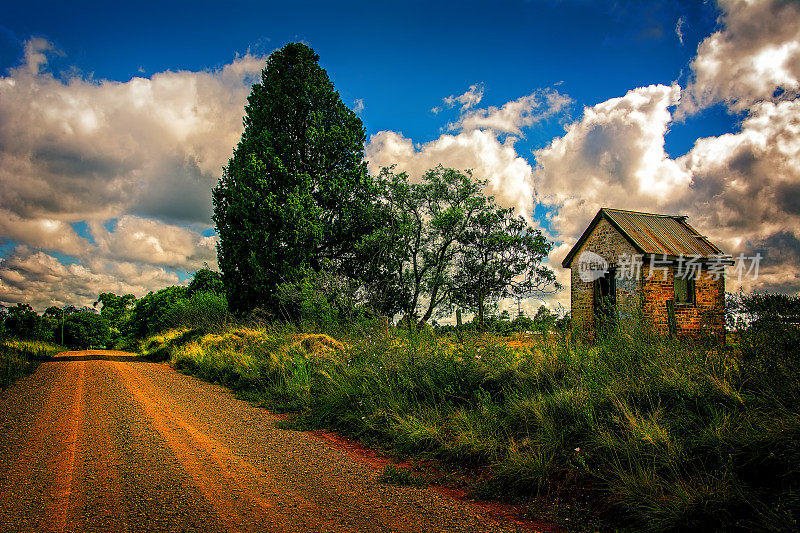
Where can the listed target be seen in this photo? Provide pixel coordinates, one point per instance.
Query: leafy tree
(206, 280)
(563, 323)
(500, 257)
(522, 323)
(770, 338)
(23, 322)
(417, 247)
(70, 310)
(85, 329)
(115, 309)
(52, 312)
(150, 313)
(296, 190)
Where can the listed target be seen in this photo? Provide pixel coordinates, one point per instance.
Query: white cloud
(358, 105)
(41, 280)
(80, 149)
(36, 50)
(755, 53)
(509, 175)
(155, 243)
(145, 152)
(515, 115)
(679, 29)
(742, 189)
(45, 233)
(477, 145)
(746, 191)
(613, 156)
(470, 98)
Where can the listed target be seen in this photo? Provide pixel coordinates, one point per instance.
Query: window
(684, 291)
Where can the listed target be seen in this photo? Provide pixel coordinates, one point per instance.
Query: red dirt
(104, 441)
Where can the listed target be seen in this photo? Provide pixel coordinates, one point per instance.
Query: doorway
(605, 302)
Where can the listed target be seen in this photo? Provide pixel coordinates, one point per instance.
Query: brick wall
(706, 317)
(647, 293)
(608, 243)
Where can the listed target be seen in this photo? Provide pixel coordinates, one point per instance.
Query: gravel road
(105, 441)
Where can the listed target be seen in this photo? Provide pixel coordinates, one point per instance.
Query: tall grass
(21, 357)
(660, 435)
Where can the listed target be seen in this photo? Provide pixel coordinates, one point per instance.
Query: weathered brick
(647, 294)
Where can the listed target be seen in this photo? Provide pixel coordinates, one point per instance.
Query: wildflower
(577, 449)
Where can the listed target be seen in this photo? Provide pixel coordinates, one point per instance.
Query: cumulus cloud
(50, 234)
(477, 145)
(515, 115)
(145, 152)
(746, 189)
(470, 98)
(36, 50)
(73, 149)
(613, 155)
(754, 54)
(509, 175)
(41, 280)
(742, 189)
(156, 243)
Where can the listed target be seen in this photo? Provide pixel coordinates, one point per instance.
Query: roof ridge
(643, 213)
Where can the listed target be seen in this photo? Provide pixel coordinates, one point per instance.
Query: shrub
(321, 300)
(19, 358)
(770, 343)
(207, 311)
(149, 315)
(84, 330)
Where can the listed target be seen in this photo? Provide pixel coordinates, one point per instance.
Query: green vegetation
(394, 475)
(20, 358)
(123, 320)
(318, 259)
(116, 310)
(296, 199)
(443, 243)
(648, 433)
(86, 330)
(296, 190)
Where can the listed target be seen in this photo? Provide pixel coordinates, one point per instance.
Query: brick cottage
(629, 264)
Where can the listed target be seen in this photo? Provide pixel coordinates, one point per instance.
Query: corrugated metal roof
(661, 234)
(650, 233)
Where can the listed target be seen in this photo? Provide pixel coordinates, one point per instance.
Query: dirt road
(105, 441)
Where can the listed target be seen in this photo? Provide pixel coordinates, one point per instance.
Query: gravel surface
(105, 441)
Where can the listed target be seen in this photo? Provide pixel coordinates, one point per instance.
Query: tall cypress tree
(296, 190)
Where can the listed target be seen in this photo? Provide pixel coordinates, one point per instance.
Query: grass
(648, 434)
(21, 357)
(394, 475)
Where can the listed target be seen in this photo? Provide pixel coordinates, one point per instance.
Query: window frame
(690, 291)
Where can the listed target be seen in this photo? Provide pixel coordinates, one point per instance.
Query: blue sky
(400, 58)
(569, 103)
